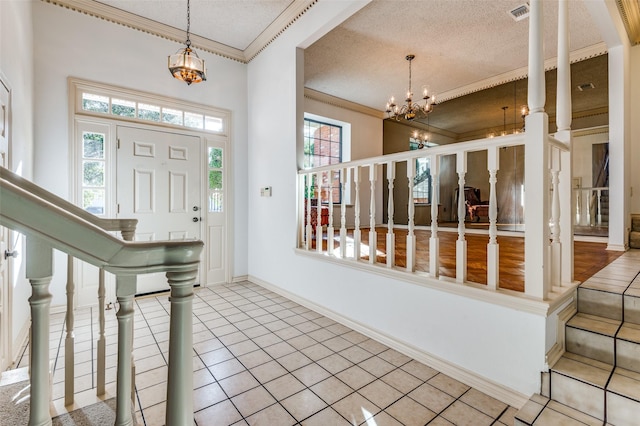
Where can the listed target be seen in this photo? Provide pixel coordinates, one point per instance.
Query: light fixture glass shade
(185, 65)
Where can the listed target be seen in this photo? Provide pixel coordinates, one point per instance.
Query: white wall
(502, 345)
(634, 65)
(68, 43)
(16, 66)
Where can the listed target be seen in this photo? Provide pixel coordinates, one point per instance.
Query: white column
(391, 238)
(356, 230)
(330, 242)
(125, 291)
(39, 272)
(563, 121)
(344, 178)
(373, 235)
(556, 245)
(411, 238)
(434, 241)
(69, 350)
(461, 243)
(180, 377)
(536, 206)
(493, 248)
(102, 348)
(309, 227)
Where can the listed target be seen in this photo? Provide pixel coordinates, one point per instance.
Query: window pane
(93, 173)
(123, 108)
(215, 179)
(215, 158)
(149, 112)
(95, 103)
(193, 120)
(92, 145)
(172, 116)
(212, 123)
(215, 201)
(93, 200)
(322, 147)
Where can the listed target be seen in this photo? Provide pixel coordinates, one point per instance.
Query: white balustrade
(461, 243)
(411, 237)
(356, 232)
(434, 242)
(69, 341)
(493, 249)
(344, 178)
(330, 230)
(391, 237)
(373, 235)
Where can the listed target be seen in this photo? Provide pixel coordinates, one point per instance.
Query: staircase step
(579, 382)
(635, 223)
(634, 239)
(607, 304)
(542, 411)
(632, 305)
(628, 347)
(623, 398)
(592, 336)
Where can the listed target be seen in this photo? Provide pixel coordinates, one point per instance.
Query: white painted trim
(496, 390)
(500, 297)
(618, 247)
(558, 348)
(342, 103)
(240, 278)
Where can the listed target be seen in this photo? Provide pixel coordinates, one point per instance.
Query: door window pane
(215, 158)
(93, 201)
(215, 179)
(123, 108)
(93, 145)
(93, 173)
(215, 201)
(95, 103)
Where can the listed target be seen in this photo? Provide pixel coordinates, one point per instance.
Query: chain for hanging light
(185, 65)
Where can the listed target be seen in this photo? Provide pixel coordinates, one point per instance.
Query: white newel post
(493, 248)
(319, 212)
(391, 238)
(411, 238)
(356, 230)
(536, 206)
(344, 178)
(434, 242)
(309, 227)
(102, 348)
(180, 377)
(69, 350)
(39, 270)
(125, 291)
(461, 243)
(556, 246)
(373, 235)
(330, 242)
(563, 121)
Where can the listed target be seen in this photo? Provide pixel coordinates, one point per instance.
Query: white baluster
(373, 235)
(69, 350)
(356, 231)
(102, 352)
(330, 241)
(493, 248)
(319, 212)
(556, 246)
(309, 227)
(344, 178)
(39, 272)
(599, 195)
(180, 377)
(434, 241)
(391, 238)
(125, 291)
(461, 243)
(411, 238)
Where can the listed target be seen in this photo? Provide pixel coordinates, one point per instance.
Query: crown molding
(630, 13)
(590, 131)
(290, 15)
(520, 73)
(117, 16)
(342, 103)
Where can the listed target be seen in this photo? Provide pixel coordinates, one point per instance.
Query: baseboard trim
(470, 378)
(240, 278)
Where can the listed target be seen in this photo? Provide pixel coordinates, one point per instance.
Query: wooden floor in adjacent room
(589, 257)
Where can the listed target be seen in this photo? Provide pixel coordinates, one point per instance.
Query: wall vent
(520, 12)
(585, 86)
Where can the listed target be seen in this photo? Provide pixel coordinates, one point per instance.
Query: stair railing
(48, 223)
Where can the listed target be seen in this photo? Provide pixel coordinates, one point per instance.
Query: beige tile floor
(261, 359)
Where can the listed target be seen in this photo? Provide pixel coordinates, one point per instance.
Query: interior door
(158, 183)
(5, 243)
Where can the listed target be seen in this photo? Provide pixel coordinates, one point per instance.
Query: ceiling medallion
(411, 109)
(185, 65)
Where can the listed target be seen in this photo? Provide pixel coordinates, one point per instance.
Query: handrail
(127, 227)
(75, 234)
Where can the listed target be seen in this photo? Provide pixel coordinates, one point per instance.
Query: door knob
(195, 208)
(195, 219)
(8, 253)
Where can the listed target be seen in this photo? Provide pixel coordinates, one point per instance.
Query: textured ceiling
(457, 43)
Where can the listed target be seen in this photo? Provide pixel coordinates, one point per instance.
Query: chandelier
(410, 109)
(185, 64)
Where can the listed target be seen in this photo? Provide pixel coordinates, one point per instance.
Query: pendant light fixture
(185, 64)
(411, 109)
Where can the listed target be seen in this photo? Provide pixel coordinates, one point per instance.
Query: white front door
(5, 242)
(159, 183)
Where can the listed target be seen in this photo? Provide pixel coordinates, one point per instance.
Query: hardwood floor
(589, 257)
